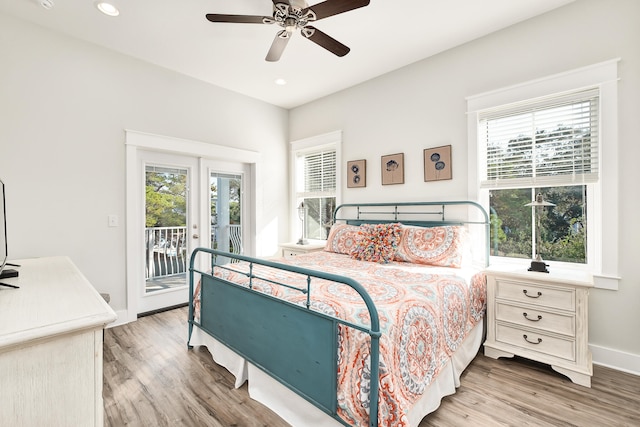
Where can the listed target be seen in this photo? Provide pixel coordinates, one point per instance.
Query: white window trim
(605, 76)
(328, 140)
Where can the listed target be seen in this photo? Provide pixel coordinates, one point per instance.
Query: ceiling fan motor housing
(290, 17)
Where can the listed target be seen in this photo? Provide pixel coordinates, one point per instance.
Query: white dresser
(540, 316)
(51, 331)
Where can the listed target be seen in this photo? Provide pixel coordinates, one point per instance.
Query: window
(556, 136)
(315, 183)
(546, 146)
(317, 191)
(563, 228)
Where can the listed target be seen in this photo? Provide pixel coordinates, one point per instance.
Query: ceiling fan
(296, 14)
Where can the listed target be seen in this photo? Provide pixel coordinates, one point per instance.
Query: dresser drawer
(527, 293)
(536, 341)
(535, 318)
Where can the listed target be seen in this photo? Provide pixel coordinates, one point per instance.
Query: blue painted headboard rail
(423, 214)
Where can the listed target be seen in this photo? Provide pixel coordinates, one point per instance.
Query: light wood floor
(151, 379)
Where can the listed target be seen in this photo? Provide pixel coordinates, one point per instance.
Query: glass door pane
(166, 233)
(226, 212)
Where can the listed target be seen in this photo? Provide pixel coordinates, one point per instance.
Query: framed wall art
(393, 169)
(356, 173)
(437, 163)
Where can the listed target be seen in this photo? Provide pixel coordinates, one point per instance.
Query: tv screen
(3, 229)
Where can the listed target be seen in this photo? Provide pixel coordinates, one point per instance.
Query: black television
(4, 253)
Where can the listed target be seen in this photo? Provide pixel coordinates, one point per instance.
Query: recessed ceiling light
(107, 8)
(281, 82)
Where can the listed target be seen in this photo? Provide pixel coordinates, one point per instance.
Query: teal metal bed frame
(295, 344)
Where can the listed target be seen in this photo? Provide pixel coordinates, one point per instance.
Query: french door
(188, 202)
(171, 228)
(182, 194)
(227, 206)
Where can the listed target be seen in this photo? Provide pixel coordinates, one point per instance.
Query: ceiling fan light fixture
(280, 82)
(107, 8)
(290, 24)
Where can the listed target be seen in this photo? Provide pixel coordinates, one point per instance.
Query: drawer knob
(531, 319)
(532, 296)
(531, 342)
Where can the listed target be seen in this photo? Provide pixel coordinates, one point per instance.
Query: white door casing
(206, 158)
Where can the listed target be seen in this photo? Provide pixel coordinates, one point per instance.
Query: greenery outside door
(171, 228)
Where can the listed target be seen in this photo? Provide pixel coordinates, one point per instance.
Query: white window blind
(545, 142)
(319, 174)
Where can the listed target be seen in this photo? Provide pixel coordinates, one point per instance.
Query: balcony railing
(233, 233)
(167, 251)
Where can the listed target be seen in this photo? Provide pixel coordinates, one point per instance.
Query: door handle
(196, 236)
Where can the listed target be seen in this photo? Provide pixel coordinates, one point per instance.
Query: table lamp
(302, 214)
(537, 264)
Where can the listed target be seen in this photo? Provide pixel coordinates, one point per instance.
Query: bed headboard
(423, 214)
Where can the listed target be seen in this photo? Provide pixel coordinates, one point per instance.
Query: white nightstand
(540, 316)
(293, 249)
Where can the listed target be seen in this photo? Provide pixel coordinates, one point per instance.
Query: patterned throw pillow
(342, 238)
(441, 246)
(377, 243)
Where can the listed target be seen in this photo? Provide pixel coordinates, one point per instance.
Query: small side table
(293, 249)
(540, 316)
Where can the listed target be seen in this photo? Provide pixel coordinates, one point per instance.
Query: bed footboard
(295, 344)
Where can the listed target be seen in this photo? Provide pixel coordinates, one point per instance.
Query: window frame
(328, 141)
(603, 243)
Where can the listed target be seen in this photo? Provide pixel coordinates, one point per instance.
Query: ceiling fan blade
(242, 19)
(334, 7)
(278, 45)
(325, 41)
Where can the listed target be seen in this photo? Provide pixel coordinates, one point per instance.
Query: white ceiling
(383, 36)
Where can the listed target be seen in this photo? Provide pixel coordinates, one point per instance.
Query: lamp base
(538, 266)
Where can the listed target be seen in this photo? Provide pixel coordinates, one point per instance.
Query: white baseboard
(603, 356)
(615, 359)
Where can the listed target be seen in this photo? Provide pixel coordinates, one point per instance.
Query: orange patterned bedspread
(425, 314)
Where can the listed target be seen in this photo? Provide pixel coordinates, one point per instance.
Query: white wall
(64, 105)
(423, 105)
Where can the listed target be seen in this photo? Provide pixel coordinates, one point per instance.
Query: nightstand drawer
(289, 253)
(535, 318)
(294, 249)
(527, 293)
(536, 341)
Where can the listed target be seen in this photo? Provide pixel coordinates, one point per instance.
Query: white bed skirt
(300, 413)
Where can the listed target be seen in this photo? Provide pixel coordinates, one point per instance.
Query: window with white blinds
(316, 188)
(543, 142)
(319, 169)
